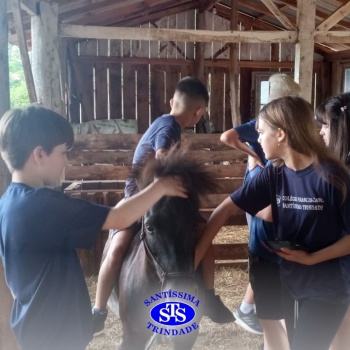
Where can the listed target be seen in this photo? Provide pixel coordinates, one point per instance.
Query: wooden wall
(108, 79)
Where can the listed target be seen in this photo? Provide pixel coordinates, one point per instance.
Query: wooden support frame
(95, 32)
(304, 49)
(29, 6)
(45, 57)
(7, 340)
(234, 69)
(334, 18)
(278, 14)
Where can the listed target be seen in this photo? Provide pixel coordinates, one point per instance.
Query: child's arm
(336, 250)
(231, 138)
(134, 207)
(216, 221)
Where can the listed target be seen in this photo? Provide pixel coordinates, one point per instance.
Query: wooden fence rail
(100, 164)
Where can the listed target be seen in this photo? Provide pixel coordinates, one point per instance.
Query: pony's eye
(149, 228)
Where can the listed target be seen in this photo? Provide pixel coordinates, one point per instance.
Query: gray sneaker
(248, 321)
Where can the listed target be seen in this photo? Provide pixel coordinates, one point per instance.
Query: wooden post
(234, 70)
(304, 48)
(199, 66)
(336, 78)
(16, 11)
(7, 340)
(45, 59)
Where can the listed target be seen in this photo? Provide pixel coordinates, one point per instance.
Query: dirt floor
(230, 284)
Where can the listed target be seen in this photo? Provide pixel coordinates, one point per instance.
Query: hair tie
(343, 108)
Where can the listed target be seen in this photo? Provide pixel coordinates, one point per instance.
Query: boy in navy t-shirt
(40, 230)
(188, 104)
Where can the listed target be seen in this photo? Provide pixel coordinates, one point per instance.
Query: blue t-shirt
(248, 133)
(40, 231)
(259, 230)
(162, 133)
(309, 210)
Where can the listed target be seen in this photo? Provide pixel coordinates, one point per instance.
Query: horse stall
(99, 164)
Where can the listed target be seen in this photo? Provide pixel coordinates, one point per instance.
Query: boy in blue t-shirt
(40, 230)
(188, 104)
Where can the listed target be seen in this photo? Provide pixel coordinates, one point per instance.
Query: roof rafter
(278, 14)
(335, 17)
(293, 3)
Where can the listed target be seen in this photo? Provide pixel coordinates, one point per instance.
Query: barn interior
(112, 66)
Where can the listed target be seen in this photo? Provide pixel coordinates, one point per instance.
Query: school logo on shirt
(301, 203)
(278, 200)
(172, 313)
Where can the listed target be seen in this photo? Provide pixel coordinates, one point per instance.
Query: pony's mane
(195, 175)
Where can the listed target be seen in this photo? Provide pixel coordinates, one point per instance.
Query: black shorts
(264, 277)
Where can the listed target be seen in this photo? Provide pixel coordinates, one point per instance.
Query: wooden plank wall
(99, 165)
(136, 79)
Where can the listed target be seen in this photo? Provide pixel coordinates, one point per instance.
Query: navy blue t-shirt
(248, 133)
(259, 230)
(309, 210)
(40, 231)
(162, 133)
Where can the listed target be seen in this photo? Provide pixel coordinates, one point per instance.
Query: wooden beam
(252, 22)
(304, 48)
(225, 12)
(7, 340)
(293, 3)
(5, 176)
(133, 20)
(230, 251)
(45, 59)
(16, 11)
(336, 78)
(278, 14)
(4, 61)
(261, 8)
(172, 43)
(335, 17)
(338, 56)
(281, 8)
(234, 68)
(329, 37)
(93, 32)
(177, 62)
(28, 6)
(199, 58)
(206, 5)
(109, 13)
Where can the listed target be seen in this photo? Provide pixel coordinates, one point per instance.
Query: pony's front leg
(186, 342)
(133, 341)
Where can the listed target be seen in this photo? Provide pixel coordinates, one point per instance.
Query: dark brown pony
(157, 281)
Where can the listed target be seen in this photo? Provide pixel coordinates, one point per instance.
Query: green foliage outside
(18, 89)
